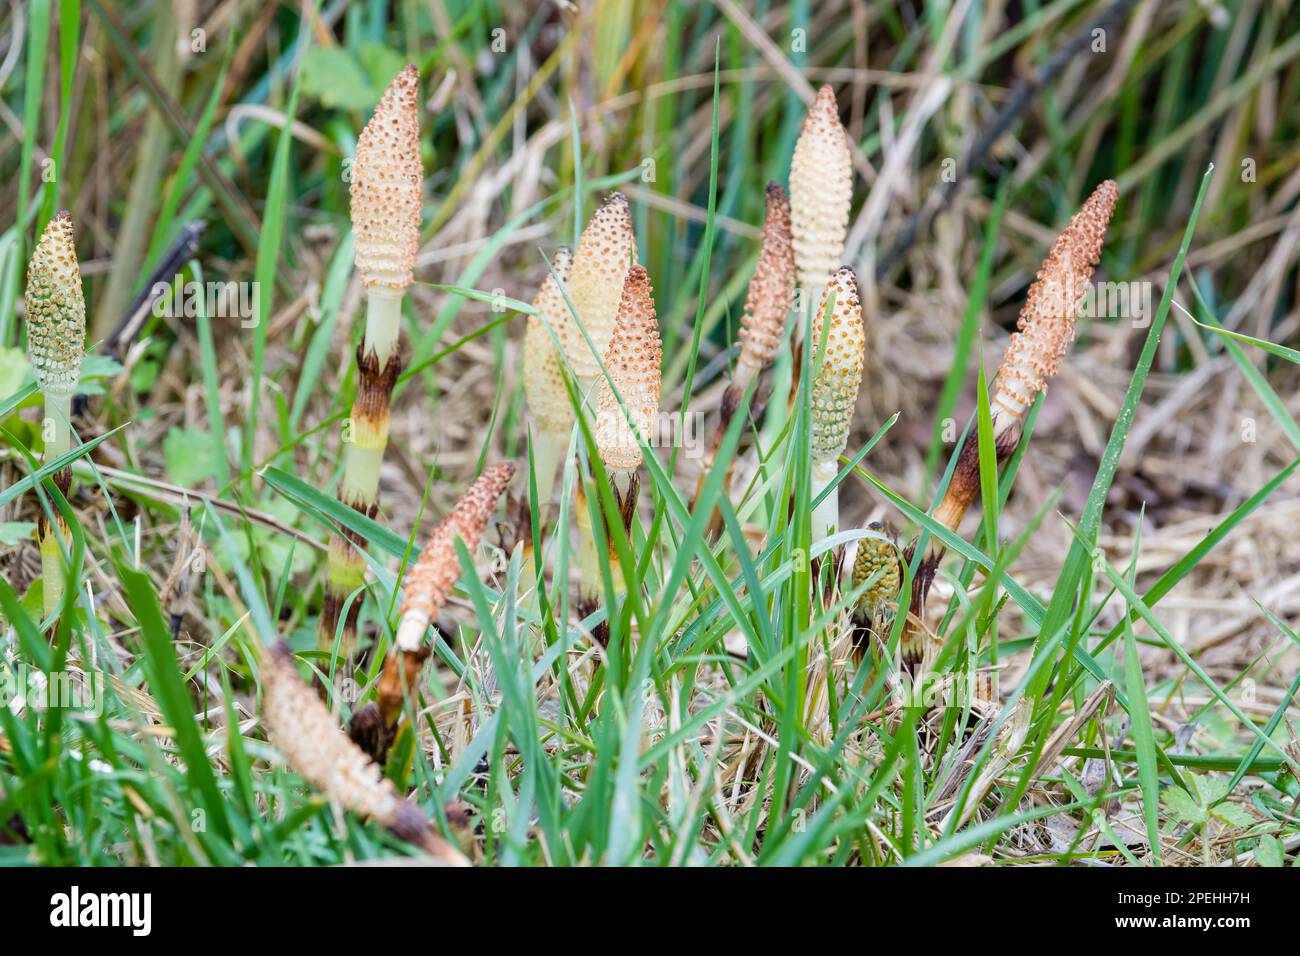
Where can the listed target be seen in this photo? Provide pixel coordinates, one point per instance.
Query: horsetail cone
(543, 379)
(821, 188)
(606, 251)
(837, 380)
(56, 310)
(1045, 330)
(302, 729)
(1047, 320)
(429, 584)
(388, 186)
(762, 327)
(835, 388)
(877, 557)
(876, 561)
(633, 362)
(771, 290)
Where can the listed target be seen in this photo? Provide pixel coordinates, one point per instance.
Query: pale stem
(52, 572)
(58, 411)
(588, 556)
(826, 516)
(383, 322)
(549, 449)
(361, 473)
(383, 325)
(622, 482)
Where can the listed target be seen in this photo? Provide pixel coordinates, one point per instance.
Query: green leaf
(1210, 789)
(13, 371)
(1233, 815)
(381, 63)
(96, 368)
(188, 453)
(333, 76)
(1270, 852)
(12, 532)
(1182, 806)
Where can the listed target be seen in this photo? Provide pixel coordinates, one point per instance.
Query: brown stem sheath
(368, 438)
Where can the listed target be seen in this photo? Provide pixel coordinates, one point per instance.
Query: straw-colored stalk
(544, 377)
(633, 361)
(387, 189)
(56, 344)
(821, 189)
(762, 325)
(836, 381)
(1045, 330)
(301, 727)
(428, 586)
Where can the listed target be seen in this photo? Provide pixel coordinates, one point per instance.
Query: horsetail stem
(543, 375)
(762, 325)
(301, 727)
(56, 344)
(821, 189)
(386, 194)
(1045, 330)
(837, 378)
(428, 586)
